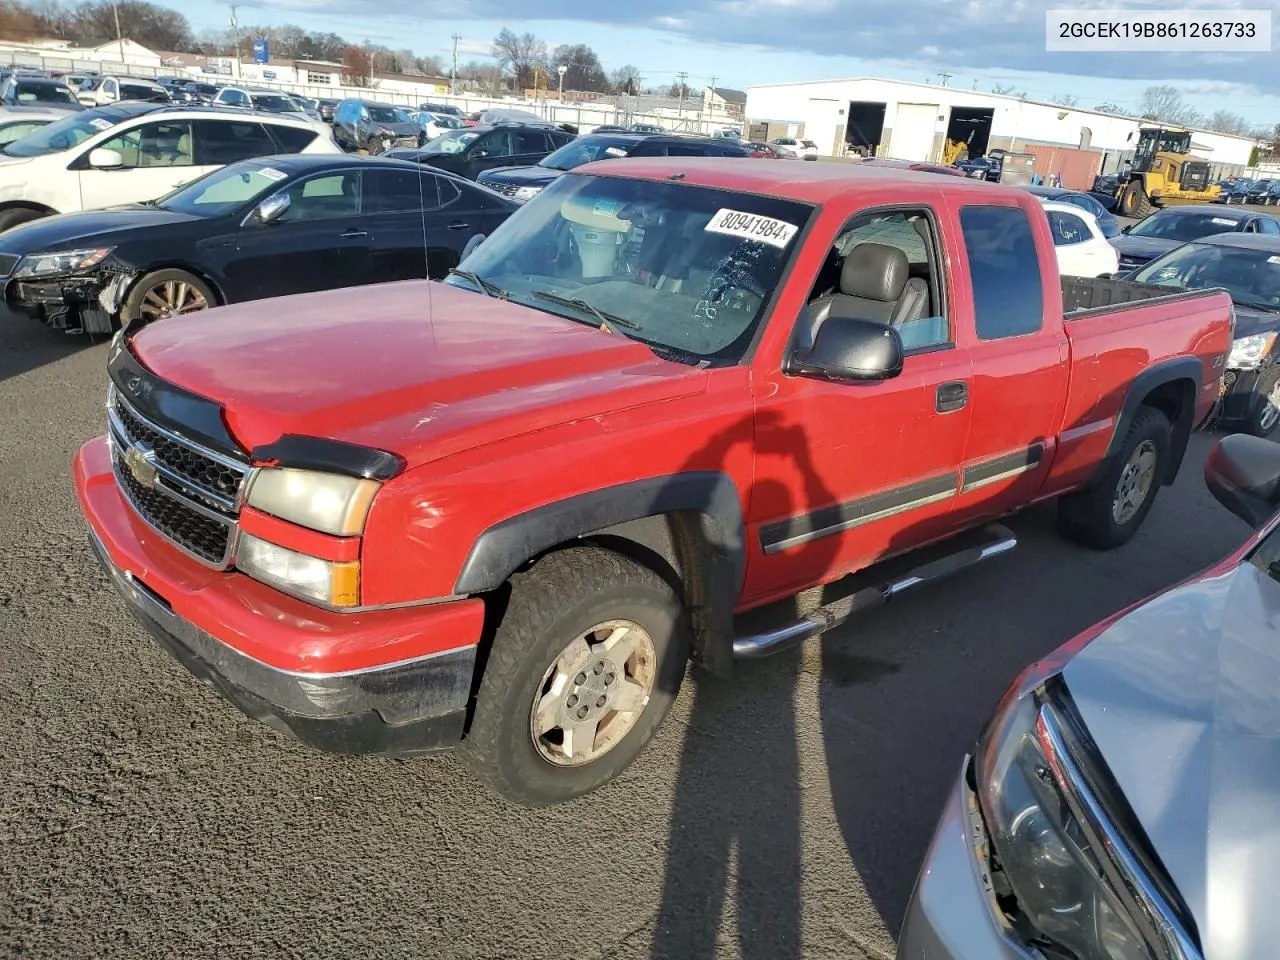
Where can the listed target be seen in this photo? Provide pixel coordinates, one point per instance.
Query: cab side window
(530, 141)
(164, 144)
(885, 266)
(1004, 268)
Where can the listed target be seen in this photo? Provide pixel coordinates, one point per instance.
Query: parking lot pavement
(781, 814)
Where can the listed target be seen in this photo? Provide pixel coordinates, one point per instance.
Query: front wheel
(584, 666)
(166, 293)
(1134, 202)
(1266, 416)
(12, 218)
(1109, 513)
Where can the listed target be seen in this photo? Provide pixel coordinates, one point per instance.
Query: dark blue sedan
(1107, 223)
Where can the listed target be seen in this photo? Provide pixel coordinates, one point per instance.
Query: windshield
(62, 134)
(44, 93)
(136, 91)
(1184, 227)
(223, 191)
(688, 270)
(389, 115)
(273, 103)
(1251, 276)
(577, 152)
(455, 141)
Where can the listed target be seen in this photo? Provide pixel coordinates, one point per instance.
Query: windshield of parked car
(443, 121)
(136, 91)
(577, 152)
(1184, 227)
(389, 115)
(455, 141)
(224, 190)
(273, 103)
(63, 134)
(1251, 276)
(43, 93)
(688, 270)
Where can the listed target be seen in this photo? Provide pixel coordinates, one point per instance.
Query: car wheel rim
(593, 694)
(171, 298)
(1270, 409)
(1135, 482)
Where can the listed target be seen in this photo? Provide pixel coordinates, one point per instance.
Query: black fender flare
(714, 588)
(1187, 369)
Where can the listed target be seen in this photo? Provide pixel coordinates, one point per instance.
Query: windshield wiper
(606, 320)
(487, 287)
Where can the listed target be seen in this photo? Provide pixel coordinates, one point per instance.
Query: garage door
(912, 137)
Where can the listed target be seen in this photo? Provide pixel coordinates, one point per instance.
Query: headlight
(1250, 351)
(328, 502)
(332, 583)
(1053, 869)
(67, 261)
(526, 193)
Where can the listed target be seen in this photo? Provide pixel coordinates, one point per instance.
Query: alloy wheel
(171, 298)
(1135, 482)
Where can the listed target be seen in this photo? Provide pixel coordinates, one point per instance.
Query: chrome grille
(507, 189)
(194, 497)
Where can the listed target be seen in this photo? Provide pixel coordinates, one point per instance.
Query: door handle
(951, 396)
(353, 234)
(458, 225)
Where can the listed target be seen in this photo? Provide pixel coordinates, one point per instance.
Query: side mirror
(273, 208)
(1243, 474)
(474, 242)
(1126, 229)
(104, 159)
(850, 349)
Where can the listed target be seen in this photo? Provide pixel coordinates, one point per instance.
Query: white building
(913, 121)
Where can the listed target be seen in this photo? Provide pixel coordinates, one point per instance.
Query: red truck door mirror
(848, 349)
(1243, 474)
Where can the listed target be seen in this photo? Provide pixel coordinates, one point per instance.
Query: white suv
(267, 101)
(795, 149)
(97, 92)
(131, 152)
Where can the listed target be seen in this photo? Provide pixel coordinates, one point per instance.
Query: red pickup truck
(502, 512)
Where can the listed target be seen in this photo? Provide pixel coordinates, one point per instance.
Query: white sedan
(1082, 249)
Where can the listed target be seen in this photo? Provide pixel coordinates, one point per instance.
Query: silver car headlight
(526, 193)
(328, 502)
(60, 262)
(1248, 352)
(1056, 850)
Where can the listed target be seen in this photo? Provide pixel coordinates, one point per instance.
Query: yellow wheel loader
(1163, 172)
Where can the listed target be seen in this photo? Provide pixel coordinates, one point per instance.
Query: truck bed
(1086, 295)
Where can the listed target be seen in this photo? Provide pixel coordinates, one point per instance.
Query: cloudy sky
(740, 42)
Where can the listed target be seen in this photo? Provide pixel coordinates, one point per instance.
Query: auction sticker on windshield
(1223, 220)
(271, 173)
(98, 123)
(749, 226)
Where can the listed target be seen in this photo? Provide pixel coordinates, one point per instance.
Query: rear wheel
(1110, 512)
(1266, 416)
(166, 293)
(585, 663)
(11, 218)
(1134, 202)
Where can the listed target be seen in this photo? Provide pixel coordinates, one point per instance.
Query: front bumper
(1241, 398)
(952, 914)
(344, 683)
(63, 302)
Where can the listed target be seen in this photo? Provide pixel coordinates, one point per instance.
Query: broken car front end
(79, 291)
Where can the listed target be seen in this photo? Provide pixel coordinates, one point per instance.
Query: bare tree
(149, 24)
(1065, 99)
(1002, 90)
(582, 67)
(520, 55)
(626, 79)
(1224, 121)
(1112, 108)
(1165, 103)
(481, 77)
(356, 66)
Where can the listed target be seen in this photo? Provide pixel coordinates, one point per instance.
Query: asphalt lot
(780, 815)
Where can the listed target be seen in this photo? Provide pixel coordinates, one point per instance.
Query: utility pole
(945, 77)
(682, 76)
(115, 12)
(453, 72)
(712, 109)
(235, 34)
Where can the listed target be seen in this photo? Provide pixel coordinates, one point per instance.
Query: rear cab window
(688, 270)
(1004, 270)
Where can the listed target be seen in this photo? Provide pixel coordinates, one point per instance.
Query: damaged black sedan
(261, 228)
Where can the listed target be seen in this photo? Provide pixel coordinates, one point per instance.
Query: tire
(1134, 202)
(377, 146)
(1265, 418)
(147, 297)
(1089, 516)
(562, 596)
(12, 218)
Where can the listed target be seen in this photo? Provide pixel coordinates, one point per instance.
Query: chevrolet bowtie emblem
(141, 461)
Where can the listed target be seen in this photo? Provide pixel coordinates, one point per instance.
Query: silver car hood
(1182, 697)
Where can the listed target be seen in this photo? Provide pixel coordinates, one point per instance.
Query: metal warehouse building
(912, 121)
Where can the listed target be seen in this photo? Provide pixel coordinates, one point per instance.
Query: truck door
(1011, 325)
(847, 473)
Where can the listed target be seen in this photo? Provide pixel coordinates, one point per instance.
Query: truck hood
(418, 368)
(1182, 698)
